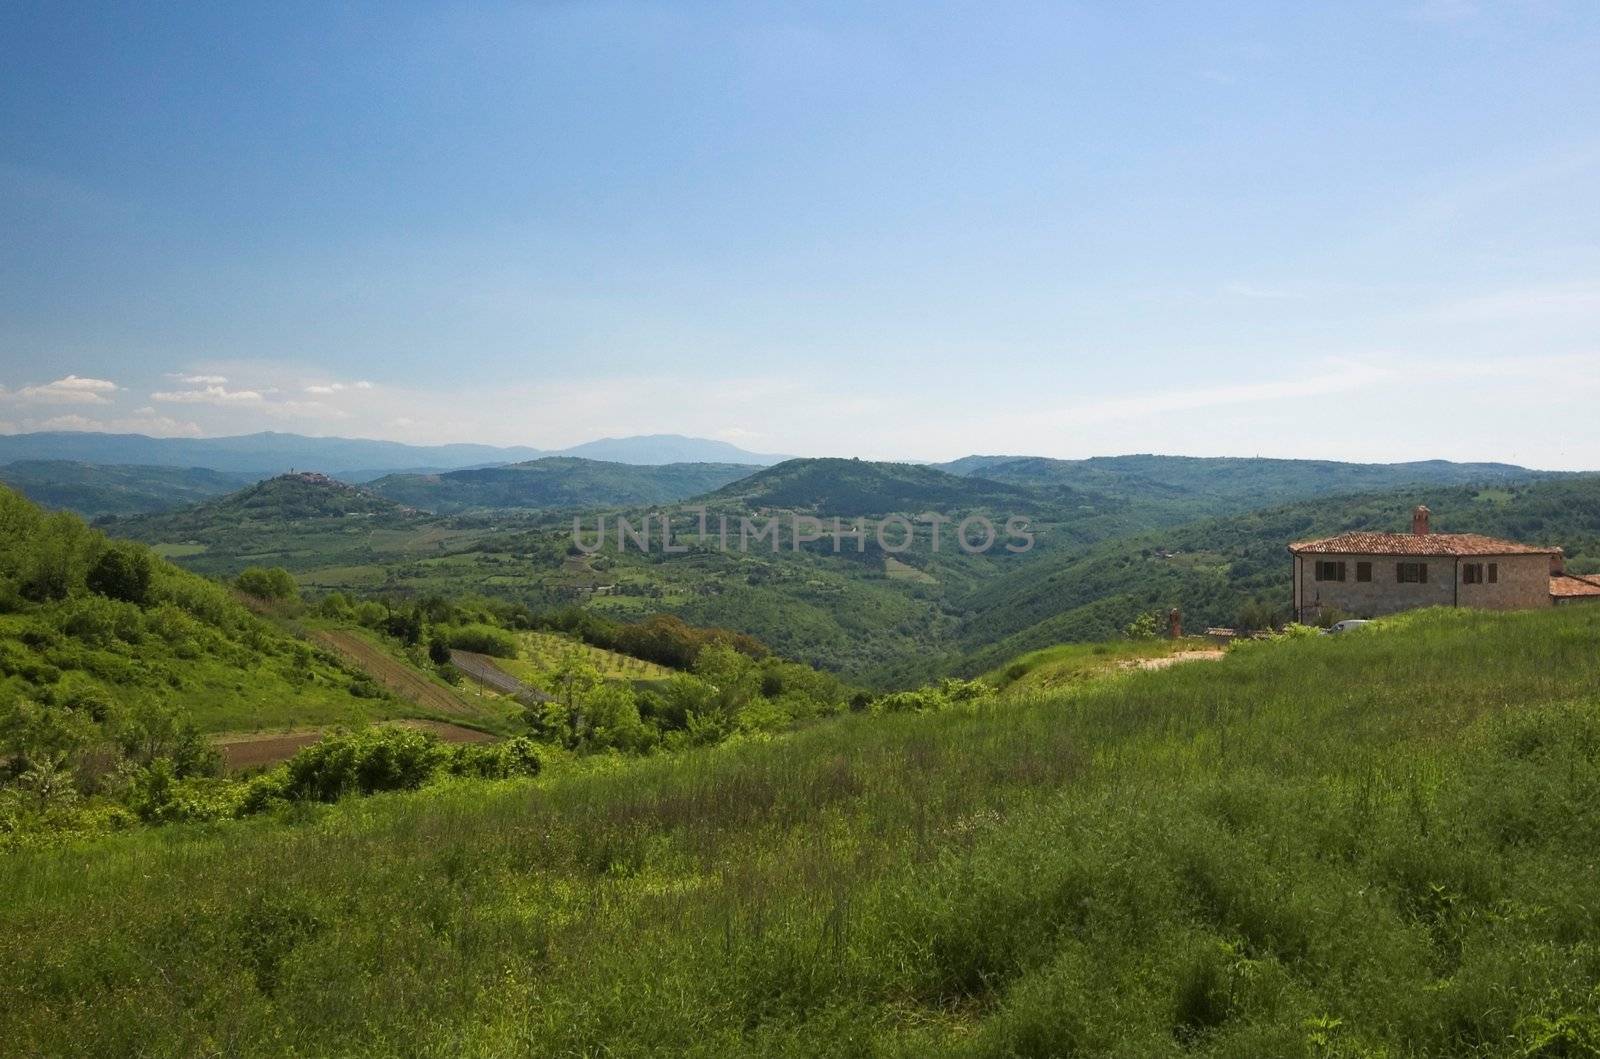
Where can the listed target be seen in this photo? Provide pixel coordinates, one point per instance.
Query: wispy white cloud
(213, 394)
(338, 387)
(154, 425)
(72, 389)
(198, 380)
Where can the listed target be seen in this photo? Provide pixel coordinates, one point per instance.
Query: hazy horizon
(1001, 453)
(903, 232)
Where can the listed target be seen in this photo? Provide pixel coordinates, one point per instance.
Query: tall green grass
(1382, 843)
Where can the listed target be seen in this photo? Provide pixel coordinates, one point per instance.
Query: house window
(1363, 571)
(1472, 574)
(1411, 573)
(1494, 573)
(1330, 571)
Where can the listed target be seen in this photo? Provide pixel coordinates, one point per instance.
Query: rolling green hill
(1376, 844)
(851, 488)
(125, 635)
(92, 490)
(1212, 569)
(885, 619)
(293, 520)
(557, 482)
(1201, 486)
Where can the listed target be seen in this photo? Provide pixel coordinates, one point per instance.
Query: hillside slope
(1212, 569)
(1209, 486)
(557, 482)
(850, 488)
(91, 621)
(92, 490)
(304, 514)
(1372, 844)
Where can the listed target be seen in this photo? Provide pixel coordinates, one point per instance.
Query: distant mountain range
(655, 449)
(354, 459)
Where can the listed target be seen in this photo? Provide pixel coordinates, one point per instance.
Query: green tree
(735, 678)
(1144, 627)
(611, 718)
(273, 583)
(572, 682)
(122, 572)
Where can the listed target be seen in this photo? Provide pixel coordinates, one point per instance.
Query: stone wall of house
(1524, 582)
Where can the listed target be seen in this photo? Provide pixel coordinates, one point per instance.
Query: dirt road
(1164, 661)
(395, 676)
(482, 669)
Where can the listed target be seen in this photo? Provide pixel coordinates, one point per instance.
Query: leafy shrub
(273, 583)
(363, 686)
(11, 599)
(98, 621)
(484, 639)
(159, 796)
(947, 694)
(122, 572)
(15, 660)
(178, 630)
(370, 615)
(494, 761)
(336, 605)
(1144, 627)
(404, 625)
(78, 693)
(363, 762)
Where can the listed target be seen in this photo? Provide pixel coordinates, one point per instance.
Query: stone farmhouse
(1367, 574)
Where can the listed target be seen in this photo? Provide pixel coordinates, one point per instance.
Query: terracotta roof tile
(1447, 544)
(1574, 586)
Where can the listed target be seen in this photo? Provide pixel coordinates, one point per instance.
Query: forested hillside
(114, 665)
(1216, 571)
(1199, 487)
(92, 490)
(1098, 562)
(851, 488)
(557, 482)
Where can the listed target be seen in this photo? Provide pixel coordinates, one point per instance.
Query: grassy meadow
(1383, 843)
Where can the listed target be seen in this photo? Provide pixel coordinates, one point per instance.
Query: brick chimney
(1419, 521)
(1558, 563)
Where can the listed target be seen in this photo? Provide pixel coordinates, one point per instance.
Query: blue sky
(1357, 231)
